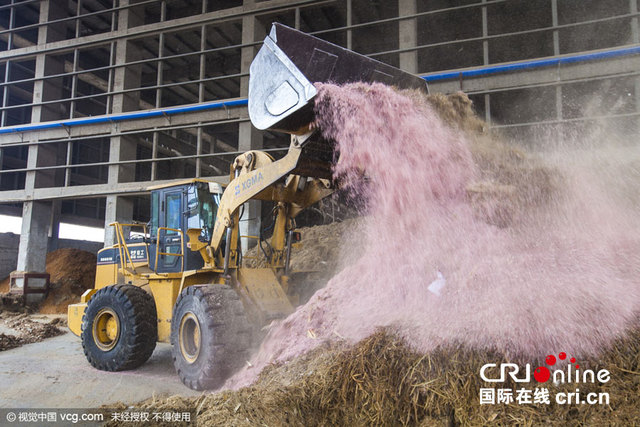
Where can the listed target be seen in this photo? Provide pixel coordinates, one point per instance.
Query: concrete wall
(8, 253)
(9, 250)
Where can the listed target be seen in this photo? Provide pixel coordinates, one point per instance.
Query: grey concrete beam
(88, 191)
(82, 220)
(16, 39)
(66, 218)
(471, 85)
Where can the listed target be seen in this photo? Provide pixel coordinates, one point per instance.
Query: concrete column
(118, 208)
(349, 23)
(48, 90)
(554, 23)
(36, 216)
(54, 225)
(485, 56)
(556, 51)
(633, 9)
(485, 33)
(252, 30)
(32, 251)
(635, 38)
(487, 109)
(201, 76)
(408, 35)
(249, 138)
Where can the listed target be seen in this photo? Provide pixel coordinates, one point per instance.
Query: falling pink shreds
(566, 279)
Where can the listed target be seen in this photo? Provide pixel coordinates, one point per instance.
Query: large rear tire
(119, 328)
(210, 335)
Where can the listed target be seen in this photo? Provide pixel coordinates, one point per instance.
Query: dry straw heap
(381, 381)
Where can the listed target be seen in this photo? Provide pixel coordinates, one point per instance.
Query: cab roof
(185, 181)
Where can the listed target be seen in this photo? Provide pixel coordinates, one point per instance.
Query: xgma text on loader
(182, 279)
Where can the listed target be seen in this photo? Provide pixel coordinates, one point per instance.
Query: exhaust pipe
(282, 75)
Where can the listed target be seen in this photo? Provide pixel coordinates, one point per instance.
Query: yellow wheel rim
(106, 329)
(190, 337)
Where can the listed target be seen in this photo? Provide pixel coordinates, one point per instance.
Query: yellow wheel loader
(181, 278)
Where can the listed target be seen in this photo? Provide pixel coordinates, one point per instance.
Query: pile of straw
(381, 381)
(510, 182)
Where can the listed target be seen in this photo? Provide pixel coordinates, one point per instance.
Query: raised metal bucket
(282, 74)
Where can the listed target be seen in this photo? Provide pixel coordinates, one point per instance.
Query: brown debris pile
(4, 285)
(72, 271)
(456, 110)
(26, 330)
(511, 181)
(319, 249)
(317, 257)
(9, 341)
(381, 381)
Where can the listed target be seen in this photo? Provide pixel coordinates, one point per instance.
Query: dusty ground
(55, 374)
(42, 364)
(17, 329)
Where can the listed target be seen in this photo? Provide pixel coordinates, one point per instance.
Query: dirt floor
(42, 365)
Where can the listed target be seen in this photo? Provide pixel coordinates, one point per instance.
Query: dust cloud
(556, 273)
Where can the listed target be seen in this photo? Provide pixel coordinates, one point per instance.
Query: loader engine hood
(282, 75)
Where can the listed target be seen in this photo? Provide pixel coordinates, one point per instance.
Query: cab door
(167, 243)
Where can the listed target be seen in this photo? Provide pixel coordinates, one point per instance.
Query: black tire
(210, 335)
(132, 312)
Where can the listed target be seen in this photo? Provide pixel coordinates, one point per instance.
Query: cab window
(173, 212)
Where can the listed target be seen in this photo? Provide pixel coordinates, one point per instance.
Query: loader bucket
(282, 75)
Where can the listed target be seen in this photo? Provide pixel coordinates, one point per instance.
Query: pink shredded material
(567, 280)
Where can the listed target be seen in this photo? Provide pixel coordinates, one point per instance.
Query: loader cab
(174, 210)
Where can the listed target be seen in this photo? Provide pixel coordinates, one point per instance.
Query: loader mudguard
(74, 317)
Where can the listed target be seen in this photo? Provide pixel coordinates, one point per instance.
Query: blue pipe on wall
(536, 63)
(126, 116)
(518, 66)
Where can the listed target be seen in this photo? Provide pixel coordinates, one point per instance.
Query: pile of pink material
(567, 279)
